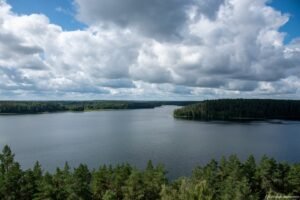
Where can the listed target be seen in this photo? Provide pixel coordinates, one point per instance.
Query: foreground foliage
(241, 109)
(229, 179)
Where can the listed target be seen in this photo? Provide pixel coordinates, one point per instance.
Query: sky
(149, 50)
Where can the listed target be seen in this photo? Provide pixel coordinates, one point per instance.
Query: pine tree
(294, 179)
(10, 175)
(100, 182)
(81, 182)
(134, 187)
(46, 188)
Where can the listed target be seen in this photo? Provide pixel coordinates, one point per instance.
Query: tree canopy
(229, 179)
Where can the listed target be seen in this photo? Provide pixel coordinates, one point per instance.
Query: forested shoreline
(229, 179)
(241, 110)
(36, 107)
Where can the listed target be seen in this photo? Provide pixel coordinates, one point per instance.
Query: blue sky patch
(291, 7)
(60, 12)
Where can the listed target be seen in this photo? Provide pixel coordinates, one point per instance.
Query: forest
(35, 107)
(241, 109)
(229, 179)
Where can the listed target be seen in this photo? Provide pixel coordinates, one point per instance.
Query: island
(241, 110)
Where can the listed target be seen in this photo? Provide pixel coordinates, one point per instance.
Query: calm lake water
(135, 136)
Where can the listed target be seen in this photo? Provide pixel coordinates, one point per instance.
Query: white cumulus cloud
(140, 49)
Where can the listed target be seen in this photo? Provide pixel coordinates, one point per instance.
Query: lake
(136, 136)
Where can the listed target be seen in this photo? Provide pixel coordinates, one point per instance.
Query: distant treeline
(229, 179)
(24, 107)
(241, 109)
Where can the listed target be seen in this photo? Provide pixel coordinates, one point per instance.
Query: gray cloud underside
(139, 49)
(157, 19)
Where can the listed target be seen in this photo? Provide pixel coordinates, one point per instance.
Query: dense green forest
(228, 179)
(24, 107)
(241, 109)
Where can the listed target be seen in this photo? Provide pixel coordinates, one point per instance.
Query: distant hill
(35, 107)
(241, 109)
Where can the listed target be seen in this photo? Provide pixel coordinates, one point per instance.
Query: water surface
(135, 136)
